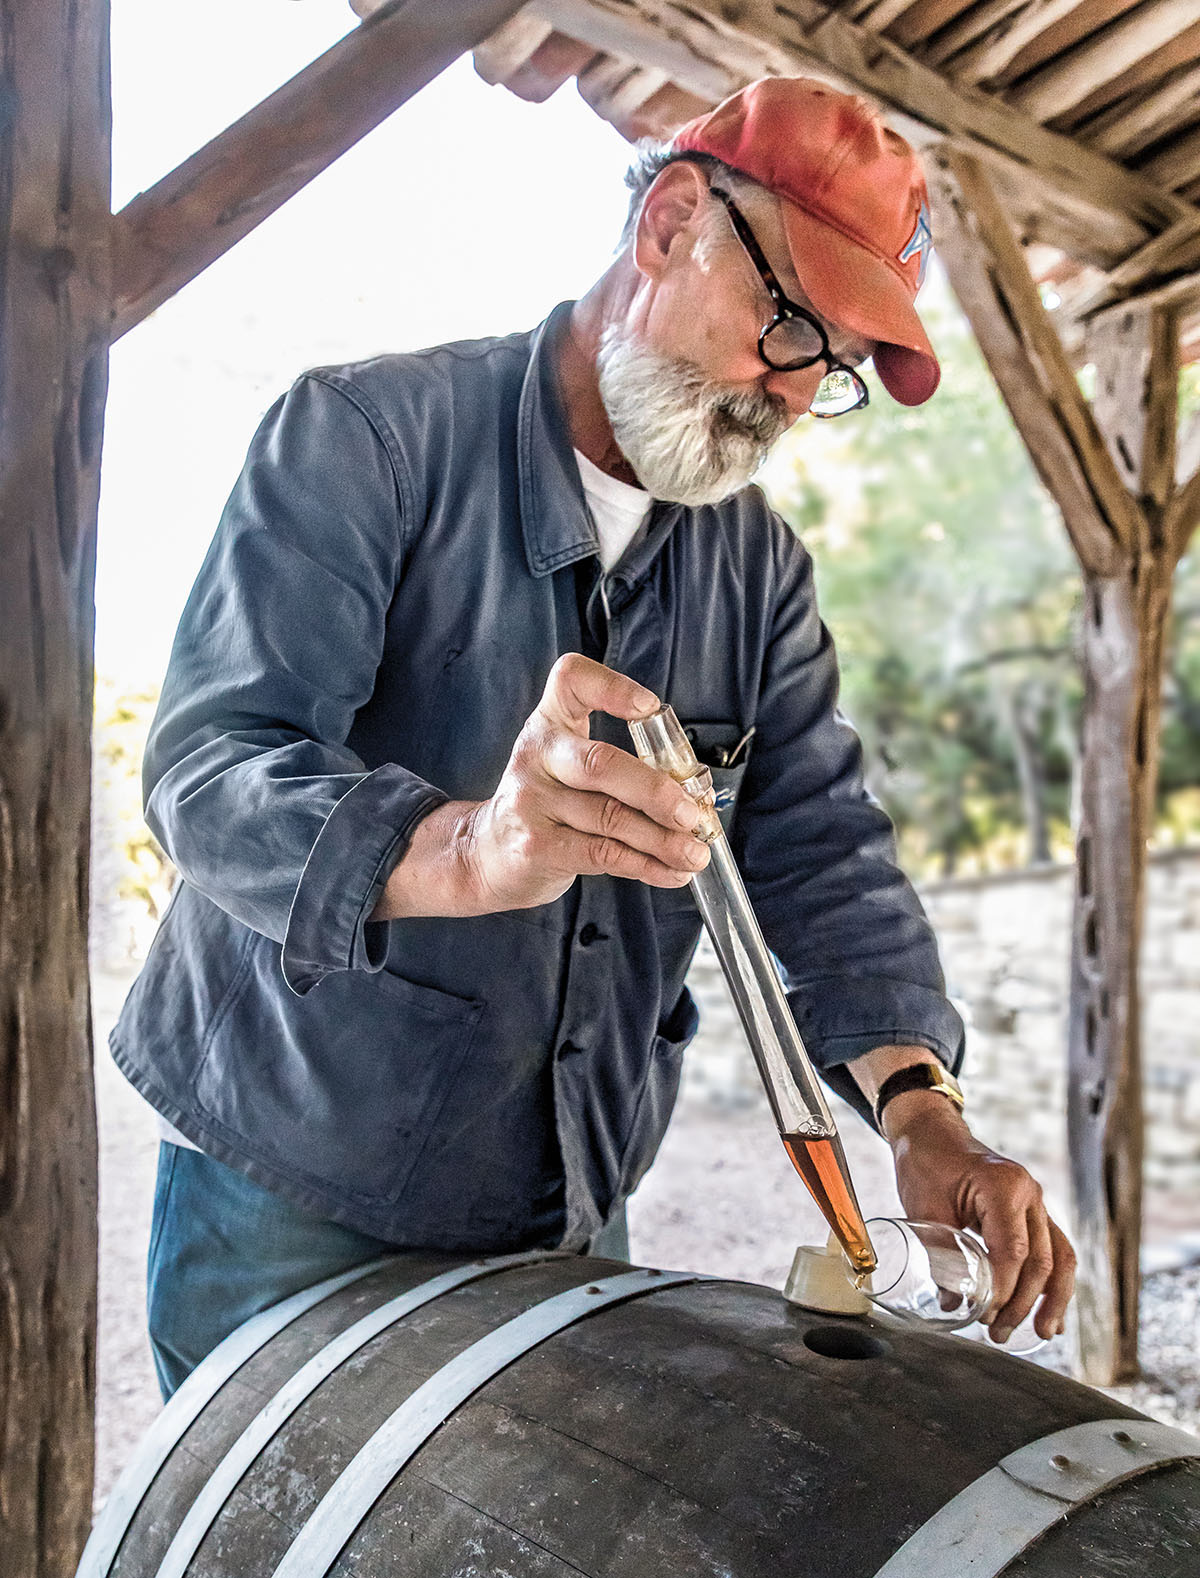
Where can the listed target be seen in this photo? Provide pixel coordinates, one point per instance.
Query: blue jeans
(223, 1248)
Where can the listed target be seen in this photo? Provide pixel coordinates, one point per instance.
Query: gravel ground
(722, 1198)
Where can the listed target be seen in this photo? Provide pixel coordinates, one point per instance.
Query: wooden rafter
(1177, 164)
(171, 233)
(1059, 190)
(1014, 31)
(1167, 267)
(973, 26)
(617, 89)
(1134, 122)
(505, 50)
(1071, 77)
(878, 15)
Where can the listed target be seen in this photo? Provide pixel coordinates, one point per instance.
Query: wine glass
(931, 1274)
(927, 1273)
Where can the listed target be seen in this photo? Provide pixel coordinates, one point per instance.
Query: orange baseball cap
(855, 210)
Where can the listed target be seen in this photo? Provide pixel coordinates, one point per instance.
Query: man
(422, 987)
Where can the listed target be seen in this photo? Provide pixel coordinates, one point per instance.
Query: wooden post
(54, 316)
(1125, 626)
(1110, 467)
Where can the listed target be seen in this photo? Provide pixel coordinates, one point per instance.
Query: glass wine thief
(798, 1105)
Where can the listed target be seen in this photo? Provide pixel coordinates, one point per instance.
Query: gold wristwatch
(918, 1076)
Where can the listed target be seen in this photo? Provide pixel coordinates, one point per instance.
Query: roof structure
(1086, 113)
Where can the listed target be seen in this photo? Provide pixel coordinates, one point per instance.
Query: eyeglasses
(795, 338)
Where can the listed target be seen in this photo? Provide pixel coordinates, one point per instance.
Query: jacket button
(590, 934)
(568, 1049)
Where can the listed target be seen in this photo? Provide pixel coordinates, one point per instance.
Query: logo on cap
(919, 244)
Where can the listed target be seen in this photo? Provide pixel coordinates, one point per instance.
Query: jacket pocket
(340, 1088)
(713, 743)
(727, 781)
(724, 748)
(657, 1098)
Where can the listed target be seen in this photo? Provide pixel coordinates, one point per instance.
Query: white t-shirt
(619, 512)
(618, 509)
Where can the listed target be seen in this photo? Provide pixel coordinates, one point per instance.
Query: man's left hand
(944, 1174)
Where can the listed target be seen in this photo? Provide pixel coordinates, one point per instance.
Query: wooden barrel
(545, 1416)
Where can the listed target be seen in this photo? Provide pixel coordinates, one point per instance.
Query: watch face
(946, 1081)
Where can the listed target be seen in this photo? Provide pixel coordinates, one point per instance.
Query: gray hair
(652, 158)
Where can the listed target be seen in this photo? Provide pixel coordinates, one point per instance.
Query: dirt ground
(722, 1198)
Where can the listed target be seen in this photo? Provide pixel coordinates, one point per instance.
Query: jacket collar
(554, 515)
(555, 519)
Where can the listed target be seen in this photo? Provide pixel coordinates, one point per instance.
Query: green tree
(950, 586)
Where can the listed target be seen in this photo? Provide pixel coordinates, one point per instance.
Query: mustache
(761, 418)
(738, 412)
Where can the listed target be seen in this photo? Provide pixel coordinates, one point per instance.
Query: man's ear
(670, 209)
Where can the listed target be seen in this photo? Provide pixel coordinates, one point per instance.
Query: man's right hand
(567, 806)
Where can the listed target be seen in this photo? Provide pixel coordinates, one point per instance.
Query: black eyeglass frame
(786, 309)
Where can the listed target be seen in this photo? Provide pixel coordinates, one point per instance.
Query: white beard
(690, 441)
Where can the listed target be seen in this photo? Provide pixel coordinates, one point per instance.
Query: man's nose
(797, 389)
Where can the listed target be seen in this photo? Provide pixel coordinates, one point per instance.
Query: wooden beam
(1075, 75)
(553, 63)
(1179, 163)
(977, 23)
(1183, 516)
(878, 15)
(996, 51)
(691, 55)
(1067, 195)
(1168, 266)
(662, 114)
(1135, 353)
(993, 284)
(617, 89)
(168, 235)
(507, 49)
(1122, 663)
(1135, 120)
(54, 307)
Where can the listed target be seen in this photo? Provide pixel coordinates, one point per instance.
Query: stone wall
(1005, 942)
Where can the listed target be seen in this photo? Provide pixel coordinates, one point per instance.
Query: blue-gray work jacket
(392, 579)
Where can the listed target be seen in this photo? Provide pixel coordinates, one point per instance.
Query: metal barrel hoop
(369, 1473)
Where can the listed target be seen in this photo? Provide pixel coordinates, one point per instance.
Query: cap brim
(858, 291)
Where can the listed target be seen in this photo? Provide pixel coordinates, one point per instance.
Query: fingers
(1060, 1285)
(578, 686)
(605, 772)
(1031, 1259)
(1033, 1269)
(1004, 1226)
(618, 841)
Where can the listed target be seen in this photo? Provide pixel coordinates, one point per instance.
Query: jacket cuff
(358, 847)
(842, 1018)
